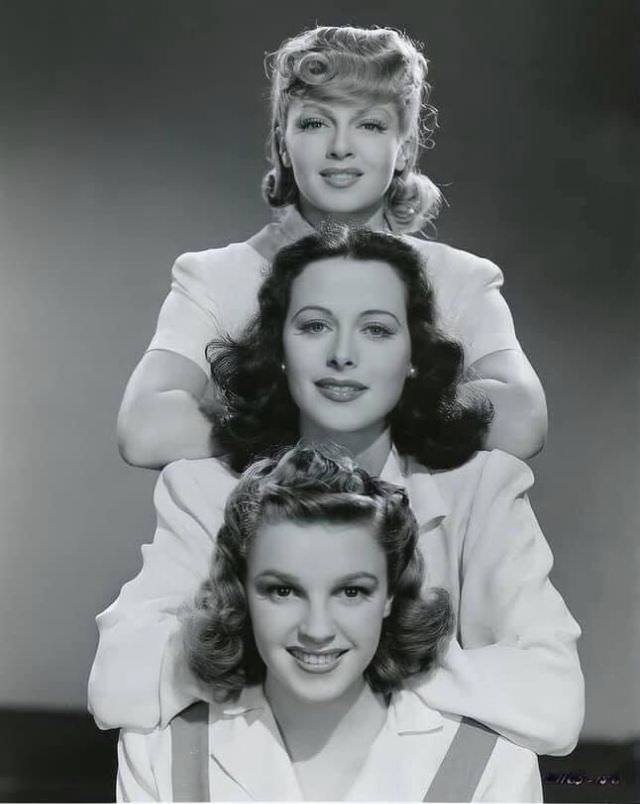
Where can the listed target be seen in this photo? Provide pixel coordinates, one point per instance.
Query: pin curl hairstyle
(307, 485)
(329, 64)
(429, 422)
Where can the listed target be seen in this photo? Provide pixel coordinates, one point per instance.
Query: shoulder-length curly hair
(429, 422)
(311, 484)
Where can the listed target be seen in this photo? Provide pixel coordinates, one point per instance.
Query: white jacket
(514, 665)
(248, 760)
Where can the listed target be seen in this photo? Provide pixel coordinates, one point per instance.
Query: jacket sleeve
(189, 317)
(511, 774)
(479, 313)
(135, 780)
(139, 678)
(515, 664)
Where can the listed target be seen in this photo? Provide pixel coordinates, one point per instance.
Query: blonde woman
(349, 112)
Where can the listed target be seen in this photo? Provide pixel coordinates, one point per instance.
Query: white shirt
(514, 665)
(216, 291)
(248, 760)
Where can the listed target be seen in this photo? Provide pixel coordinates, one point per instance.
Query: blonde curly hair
(337, 63)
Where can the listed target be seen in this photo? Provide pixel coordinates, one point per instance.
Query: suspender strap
(459, 773)
(190, 754)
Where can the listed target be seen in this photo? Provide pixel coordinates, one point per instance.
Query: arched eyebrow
(325, 311)
(354, 577)
(381, 312)
(315, 308)
(360, 111)
(292, 580)
(278, 575)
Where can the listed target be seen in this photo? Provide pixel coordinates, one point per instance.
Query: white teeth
(316, 658)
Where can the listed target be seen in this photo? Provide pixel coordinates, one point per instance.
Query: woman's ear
(387, 607)
(282, 149)
(402, 156)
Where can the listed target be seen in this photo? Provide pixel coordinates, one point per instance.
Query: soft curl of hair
(307, 485)
(328, 64)
(429, 422)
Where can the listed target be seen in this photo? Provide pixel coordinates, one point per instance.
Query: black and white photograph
(320, 413)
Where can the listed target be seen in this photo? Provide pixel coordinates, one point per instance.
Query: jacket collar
(245, 741)
(427, 503)
(409, 714)
(288, 227)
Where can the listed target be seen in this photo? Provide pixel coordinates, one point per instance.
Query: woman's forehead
(341, 96)
(351, 283)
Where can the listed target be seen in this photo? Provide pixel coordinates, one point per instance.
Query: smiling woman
(371, 372)
(343, 158)
(351, 345)
(345, 347)
(307, 633)
(349, 114)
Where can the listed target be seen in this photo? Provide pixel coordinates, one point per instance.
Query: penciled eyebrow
(328, 111)
(326, 311)
(291, 580)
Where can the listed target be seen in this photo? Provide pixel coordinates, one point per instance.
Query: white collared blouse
(248, 760)
(512, 666)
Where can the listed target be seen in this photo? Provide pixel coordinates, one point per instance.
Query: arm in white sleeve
(139, 677)
(518, 669)
(496, 365)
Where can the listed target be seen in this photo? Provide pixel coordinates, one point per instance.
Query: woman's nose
(343, 352)
(340, 145)
(317, 627)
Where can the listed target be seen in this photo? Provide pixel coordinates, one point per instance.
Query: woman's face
(343, 156)
(347, 347)
(317, 595)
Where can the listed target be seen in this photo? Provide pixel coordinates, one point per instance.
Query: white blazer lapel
(407, 754)
(246, 743)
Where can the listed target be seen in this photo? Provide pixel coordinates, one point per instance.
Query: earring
(283, 368)
(284, 156)
(412, 373)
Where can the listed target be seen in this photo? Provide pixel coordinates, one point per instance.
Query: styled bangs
(345, 77)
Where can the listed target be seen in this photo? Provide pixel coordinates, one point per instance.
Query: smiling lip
(316, 662)
(340, 390)
(340, 177)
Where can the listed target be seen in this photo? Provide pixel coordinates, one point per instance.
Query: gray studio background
(131, 132)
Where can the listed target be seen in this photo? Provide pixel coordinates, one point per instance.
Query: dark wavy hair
(313, 484)
(429, 422)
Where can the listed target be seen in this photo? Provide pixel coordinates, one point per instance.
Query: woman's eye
(280, 592)
(354, 592)
(373, 125)
(310, 123)
(314, 327)
(378, 330)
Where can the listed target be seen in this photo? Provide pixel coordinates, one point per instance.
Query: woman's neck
(308, 728)
(369, 450)
(372, 217)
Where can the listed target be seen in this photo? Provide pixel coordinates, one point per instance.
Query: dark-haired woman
(307, 633)
(349, 113)
(344, 349)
